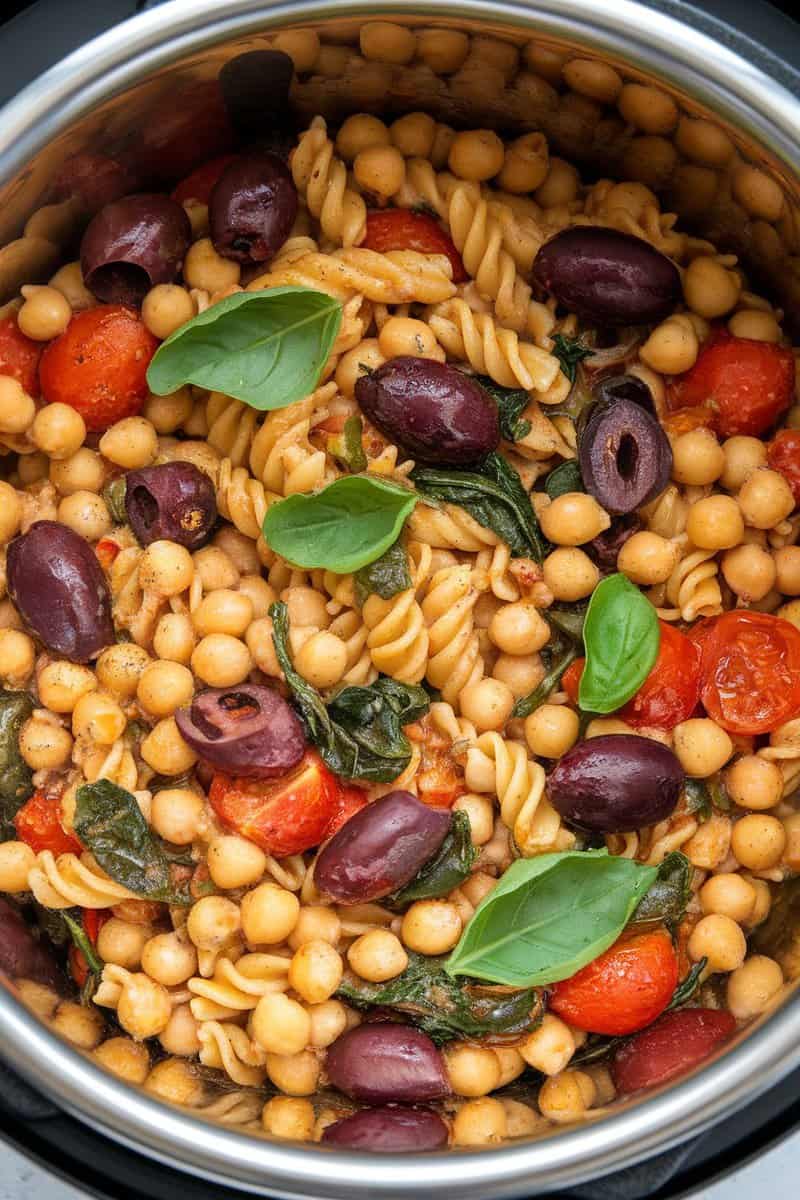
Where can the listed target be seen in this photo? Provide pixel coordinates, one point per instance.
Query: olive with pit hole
(604, 549)
(248, 731)
(391, 1128)
(625, 456)
(132, 245)
(382, 1061)
(174, 501)
(252, 208)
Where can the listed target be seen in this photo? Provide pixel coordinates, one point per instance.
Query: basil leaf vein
(621, 635)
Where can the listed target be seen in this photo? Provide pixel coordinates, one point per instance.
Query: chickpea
(377, 956)
(387, 42)
(413, 134)
(223, 611)
(130, 443)
(743, 455)
(69, 281)
(749, 571)
(45, 314)
(487, 703)
(759, 195)
(85, 513)
(703, 141)
(518, 628)
(728, 895)
(269, 914)
(98, 718)
(212, 922)
(83, 471)
(16, 860)
(179, 1035)
(40, 1000)
(765, 498)
(44, 745)
(144, 1007)
(315, 922)
(17, 656)
(205, 269)
(305, 606)
(697, 458)
(570, 574)
(754, 782)
(289, 1117)
(758, 841)
(178, 815)
(122, 942)
(431, 927)
(119, 669)
(672, 347)
(787, 570)
(648, 108)
(710, 289)
(525, 164)
(280, 1025)
(755, 324)
(791, 853)
(406, 336)
(480, 814)
(709, 846)
(176, 1082)
(234, 862)
(302, 46)
(472, 1070)
(561, 185)
(164, 687)
(10, 511)
(753, 986)
(594, 79)
(126, 1059)
(763, 902)
(169, 959)
(58, 430)
(166, 568)
(476, 155)
(328, 1021)
(322, 659)
(647, 558)
(443, 50)
(165, 308)
(521, 1120)
(168, 413)
(174, 638)
(650, 160)
(715, 523)
(702, 746)
(316, 971)
(81, 1026)
(573, 519)
(550, 1047)
(551, 730)
(720, 940)
(62, 684)
(480, 1122)
(566, 1097)
(294, 1074)
(380, 170)
(165, 750)
(221, 660)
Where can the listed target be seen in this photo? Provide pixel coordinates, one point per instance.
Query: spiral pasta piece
(693, 588)
(237, 987)
(281, 456)
(667, 514)
(233, 1108)
(321, 179)
(784, 751)
(497, 765)
(69, 882)
(397, 277)
(398, 639)
(350, 627)
(454, 649)
(493, 566)
(227, 1047)
(448, 528)
(135, 608)
(490, 349)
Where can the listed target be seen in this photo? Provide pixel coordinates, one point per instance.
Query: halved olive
(247, 731)
(625, 456)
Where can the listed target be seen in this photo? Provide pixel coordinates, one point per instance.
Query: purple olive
(438, 415)
(248, 730)
(625, 456)
(255, 85)
(175, 501)
(60, 590)
(604, 549)
(616, 783)
(22, 955)
(380, 848)
(133, 244)
(252, 208)
(607, 277)
(624, 387)
(383, 1061)
(390, 1129)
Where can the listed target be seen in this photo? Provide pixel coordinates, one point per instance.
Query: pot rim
(764, 109)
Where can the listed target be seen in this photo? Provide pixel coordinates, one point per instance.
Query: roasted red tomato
(403, 229)
(677, 1042)
(349, 801)
(749, 670)
(571, 679)
(282, 816)
(671, 691)
(783, 454)
(198, 185)
(624, 989)
(19, 356)
(748, 384)
(38, 824)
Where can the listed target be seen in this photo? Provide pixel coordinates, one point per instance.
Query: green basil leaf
(385, 577)
(350, 523)
(446, 1009)
(360, 733)
(566, 477)
(84, 943)
(621, 636)
(511, 402)
(265, 348)
(540, 694)
(449, 867)
(570, 352)
(549, 916)
(688, 986)
(114, 496)
(665, 902)
(110, 823)
(494, 495)
(16, 777)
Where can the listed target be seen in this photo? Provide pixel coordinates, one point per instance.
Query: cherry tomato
(571, 679)
(106, 550)
(624, 989)
(671, 691)
(198, 185)
(749, 670)
(98, 365)
(685, 420)
(676, 1042)
(349, 801)
(403, 229)
(19, 356)
(783, 454)
(748, 384)
(282, 816)
(38, 824)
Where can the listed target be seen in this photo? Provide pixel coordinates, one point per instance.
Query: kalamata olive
(58, 586)
(608, 277)
(175, 501)
(435, 413)
(390, 1128)
(625, 456)
(380, 849)
(248, 731)
(616, 783)
(671, 1046)
(255, 87)
(383, 1061)
(252, 208)
(22, 955)
(604, 549)
(133, 244)
(624, 387)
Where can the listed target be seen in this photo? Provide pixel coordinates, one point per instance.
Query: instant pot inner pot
(599, 113)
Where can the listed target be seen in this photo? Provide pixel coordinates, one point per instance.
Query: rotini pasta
(70, 882)
(495, 764)
(397, 277)
(321, 178)
(490, 349)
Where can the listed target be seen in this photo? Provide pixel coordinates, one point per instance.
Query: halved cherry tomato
(748, 384)
(282, 816)
(749, 670)
(676, 1042)
(38, 824)
(624, 989)
(783, 454)
(349, 801)
(19, 356)
(93, 920)
(685, 420)
(106, 550)
(403, 229)
(571, 679)
(198, 185)
(98, 365)
(671, 691)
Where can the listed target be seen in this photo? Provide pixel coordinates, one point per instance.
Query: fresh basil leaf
(347, 525)
(114, 496)
(566, 477)
(541, 693)
(360, 733)
(84, 943)
(570, 352)
(549, 916)
(445, 1009)
(511, 402)
(688, 986)
(621, 635)
(449, 867)
(110, 823)
(697, 799)
(385, 577)
(266, 348)
(16, 777)
(665, 902)
(347, 447)
(494, 495)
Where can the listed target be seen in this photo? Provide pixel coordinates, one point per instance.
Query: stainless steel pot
(115, 95)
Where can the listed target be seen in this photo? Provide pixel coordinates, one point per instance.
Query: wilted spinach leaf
(688, 986)
(347, 446)
(384, 577)
(570, 352)
(665, 901)
(16, 777)
(511, 402)
(568, 651)
(445, 1008)
(449, 867)
(84, 943)
(566, 477)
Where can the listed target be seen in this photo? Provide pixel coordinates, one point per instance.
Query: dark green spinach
(16, 777)
(511, 403)
(449, 867)
(114, 496)
(84, 943)
(570, 352)
(688, 986)
(704, 796)
(565, 645)
(384, 577)
(566, 477)
(665, 901)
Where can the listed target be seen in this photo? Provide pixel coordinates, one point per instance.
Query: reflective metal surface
(717, 142)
